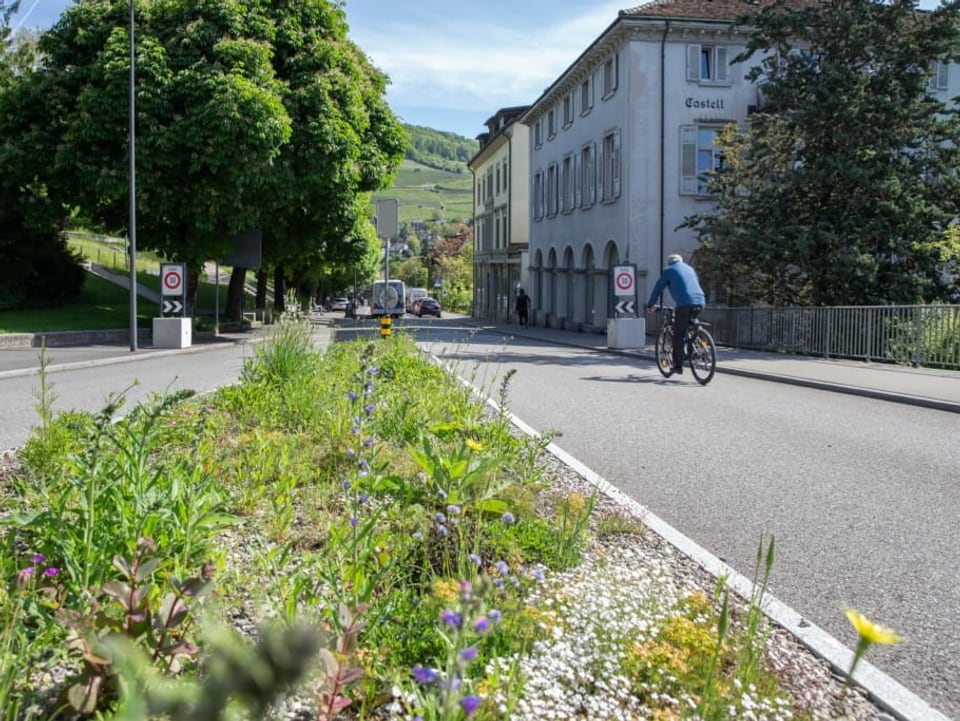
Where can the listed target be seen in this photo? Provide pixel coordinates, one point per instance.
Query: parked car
(339, 304)
(428, 306)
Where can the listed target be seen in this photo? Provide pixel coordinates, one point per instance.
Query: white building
(617, 144)
(501, 213)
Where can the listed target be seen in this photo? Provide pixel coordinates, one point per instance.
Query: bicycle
(701, 352)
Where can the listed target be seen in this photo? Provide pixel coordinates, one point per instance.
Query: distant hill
(430, 193)
(440, 149)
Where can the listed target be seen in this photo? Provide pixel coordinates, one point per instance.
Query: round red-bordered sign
(624, 281)
(172, 281)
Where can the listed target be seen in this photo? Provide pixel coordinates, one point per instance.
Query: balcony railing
(918, 335)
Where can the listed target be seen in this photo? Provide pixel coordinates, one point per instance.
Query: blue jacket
(682, 282)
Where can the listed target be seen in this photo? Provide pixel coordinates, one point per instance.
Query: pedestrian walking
(523, 308)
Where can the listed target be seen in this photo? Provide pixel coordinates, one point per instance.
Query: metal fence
(918, 335)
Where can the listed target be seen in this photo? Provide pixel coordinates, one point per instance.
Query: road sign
(388, 215)
(437, 284)
(172, 307)
(172, 279)
(627, 306)
(623, 280)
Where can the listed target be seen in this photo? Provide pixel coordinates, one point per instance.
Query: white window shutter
(693, 63)
(688, 160)
(615, 166)
(578, 179)
(592, 174)
(601, 172)
(723, 67)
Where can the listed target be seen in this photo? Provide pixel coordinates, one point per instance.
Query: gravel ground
(572, 675)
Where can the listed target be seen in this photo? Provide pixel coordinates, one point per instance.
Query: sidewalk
(937, 389)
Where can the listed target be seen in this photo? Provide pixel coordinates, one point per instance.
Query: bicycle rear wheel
(664, 351)
(703, 356)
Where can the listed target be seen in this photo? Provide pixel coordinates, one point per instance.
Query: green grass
(101, 306)
(424, 191)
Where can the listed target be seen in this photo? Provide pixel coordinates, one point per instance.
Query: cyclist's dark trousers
(682, 316)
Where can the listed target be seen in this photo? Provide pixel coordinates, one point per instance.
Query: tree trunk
(235, 296)
(261, 288)
(279, 289)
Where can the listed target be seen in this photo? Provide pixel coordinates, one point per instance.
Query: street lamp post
(133, 195)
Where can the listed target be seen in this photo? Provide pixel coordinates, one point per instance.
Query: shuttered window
(698, 158)
(708, 64)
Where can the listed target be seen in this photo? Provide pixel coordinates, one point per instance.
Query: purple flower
(417, 535)
(494, 615)
(352, 396)
(424, 675)
(441, 529)
(350, 453)
(368, 442)
(453, 510)
(470, 704)
(374, 371)
(538, 574)
(440, 517)
(502, 568)
(481, 625)
(475, 559)
(451, 618)
(354, 521)
(363, 498)
(38, 558)
(51, 572)
(507, 517)
(369, 408)
(469, 653)
(346, 485)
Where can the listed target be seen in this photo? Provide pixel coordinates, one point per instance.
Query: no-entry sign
(172, 279)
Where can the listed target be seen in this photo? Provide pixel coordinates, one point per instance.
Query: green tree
(36, 267)
(209, 121)
(250, 114)
(345, 144)
(840, 191)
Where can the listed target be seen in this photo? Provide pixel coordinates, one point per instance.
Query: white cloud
(483, 66)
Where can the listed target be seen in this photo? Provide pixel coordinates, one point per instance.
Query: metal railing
(918, 335)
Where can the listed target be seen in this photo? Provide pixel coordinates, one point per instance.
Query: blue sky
(454, 63)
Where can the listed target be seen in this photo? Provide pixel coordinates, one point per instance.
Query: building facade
(618, 148)
(619, 145)
(501, 213)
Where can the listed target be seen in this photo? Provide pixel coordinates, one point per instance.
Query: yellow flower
(869, 631)
(473, 445)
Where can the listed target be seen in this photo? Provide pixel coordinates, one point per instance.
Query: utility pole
(133, 193)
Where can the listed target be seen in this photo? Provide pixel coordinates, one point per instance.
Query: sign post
(388, 227)
(172, 329)
(625, 329)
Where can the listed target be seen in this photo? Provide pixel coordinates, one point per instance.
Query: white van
(387, 298)
(413, 295)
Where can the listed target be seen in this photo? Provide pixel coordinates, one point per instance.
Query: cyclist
(684, 286)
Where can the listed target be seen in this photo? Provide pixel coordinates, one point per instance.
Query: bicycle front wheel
(664, 351)
(703, 357)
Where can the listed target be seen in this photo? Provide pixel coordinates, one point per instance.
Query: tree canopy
(250, 114)
(843, 188)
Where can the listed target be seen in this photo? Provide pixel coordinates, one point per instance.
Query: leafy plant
(161, 630)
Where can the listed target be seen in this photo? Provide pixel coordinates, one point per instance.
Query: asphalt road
(86, 385)
(861, 495)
